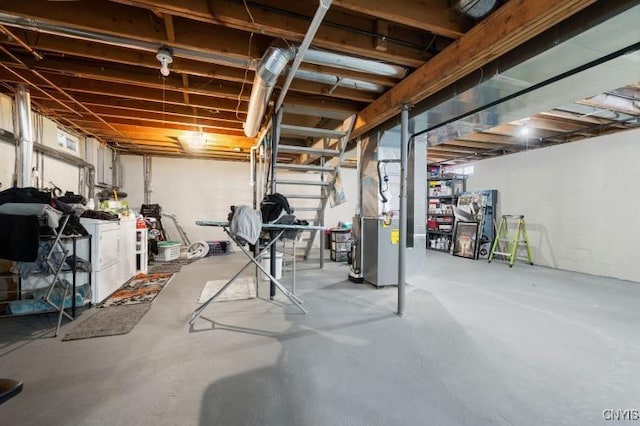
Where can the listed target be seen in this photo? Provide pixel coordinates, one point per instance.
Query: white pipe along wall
(579, 200)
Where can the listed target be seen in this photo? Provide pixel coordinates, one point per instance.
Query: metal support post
(402, 246)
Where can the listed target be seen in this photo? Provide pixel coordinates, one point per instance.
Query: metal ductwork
(320, 57)
(565, 68)
(270, 67)
(475, 9)
(25, 136)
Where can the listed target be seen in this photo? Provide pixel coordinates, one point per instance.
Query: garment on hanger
(246, 223)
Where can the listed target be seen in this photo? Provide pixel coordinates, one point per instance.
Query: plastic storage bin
(266, 264)
(168, 250)
(217, 248)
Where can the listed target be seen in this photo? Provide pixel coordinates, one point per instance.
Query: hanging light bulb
(524, 130)
(165, 58)
(197, 140)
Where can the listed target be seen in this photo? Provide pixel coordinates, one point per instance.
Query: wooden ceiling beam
(579, 118)
(434, 16)
(511, 25)
(128, 91)
(161, 126)
(488, 138)
(127, 74)
(448, 148)
(103, 105)
(140, 24)
(84, 49)
(233, 15)
(556, 125)
(153, 119)
(52, 46)
(469, 144)
(151, 128)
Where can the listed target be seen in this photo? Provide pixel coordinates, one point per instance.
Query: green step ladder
(511, 244)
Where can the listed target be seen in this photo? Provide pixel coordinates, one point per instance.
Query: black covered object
(95, 214)
(19, 237)
(156, 228)
(24, 195)
(151, 210)
(70, 198)
(9, 388)
(272, 207)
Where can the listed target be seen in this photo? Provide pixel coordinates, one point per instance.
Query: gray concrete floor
(479, 344)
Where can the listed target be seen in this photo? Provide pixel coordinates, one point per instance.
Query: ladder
(307, 183)
(510, 248)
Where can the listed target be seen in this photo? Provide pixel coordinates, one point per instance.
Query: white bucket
(266, 264)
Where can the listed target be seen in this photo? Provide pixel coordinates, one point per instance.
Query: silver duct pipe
(320, 57)
(333, 80)
(272, 64)
(25, 136)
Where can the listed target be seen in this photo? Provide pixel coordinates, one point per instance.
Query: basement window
(67, 141)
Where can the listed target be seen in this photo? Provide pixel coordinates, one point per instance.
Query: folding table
(275, 231)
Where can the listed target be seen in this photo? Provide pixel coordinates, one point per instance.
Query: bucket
(266, 264)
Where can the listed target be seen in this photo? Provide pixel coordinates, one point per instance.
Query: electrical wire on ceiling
(246, 69)
(244, 80)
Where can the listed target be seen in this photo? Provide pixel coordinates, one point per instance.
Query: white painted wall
(64, 175)
(132, 174)
(6, 111)
(579, 199)
(7, 149)
(205, 189)
(7, 164)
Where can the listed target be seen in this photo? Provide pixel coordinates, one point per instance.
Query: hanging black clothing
(272, 207)
(24, 195)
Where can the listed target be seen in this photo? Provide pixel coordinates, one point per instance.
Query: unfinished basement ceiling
(96, 69)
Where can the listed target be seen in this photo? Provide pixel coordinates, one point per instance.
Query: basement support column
(275, 140)
(25, 136)
(402, 225)
(146, 165)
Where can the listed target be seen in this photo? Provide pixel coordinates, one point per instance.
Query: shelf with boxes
(443, 193)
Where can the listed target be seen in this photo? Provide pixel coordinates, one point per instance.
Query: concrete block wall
(196, 189)
(579, 199)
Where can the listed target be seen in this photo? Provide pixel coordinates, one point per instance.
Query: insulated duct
(25, 136)
(272, 64)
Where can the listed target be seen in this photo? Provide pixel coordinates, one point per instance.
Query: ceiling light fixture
(197, 140)
(165, 57)
(524, 130)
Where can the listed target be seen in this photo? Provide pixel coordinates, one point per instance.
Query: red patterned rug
(142, 288)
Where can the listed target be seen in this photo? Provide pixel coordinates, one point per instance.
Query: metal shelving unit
(442, 196)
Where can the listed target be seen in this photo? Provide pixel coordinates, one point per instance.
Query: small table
(275, 231)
